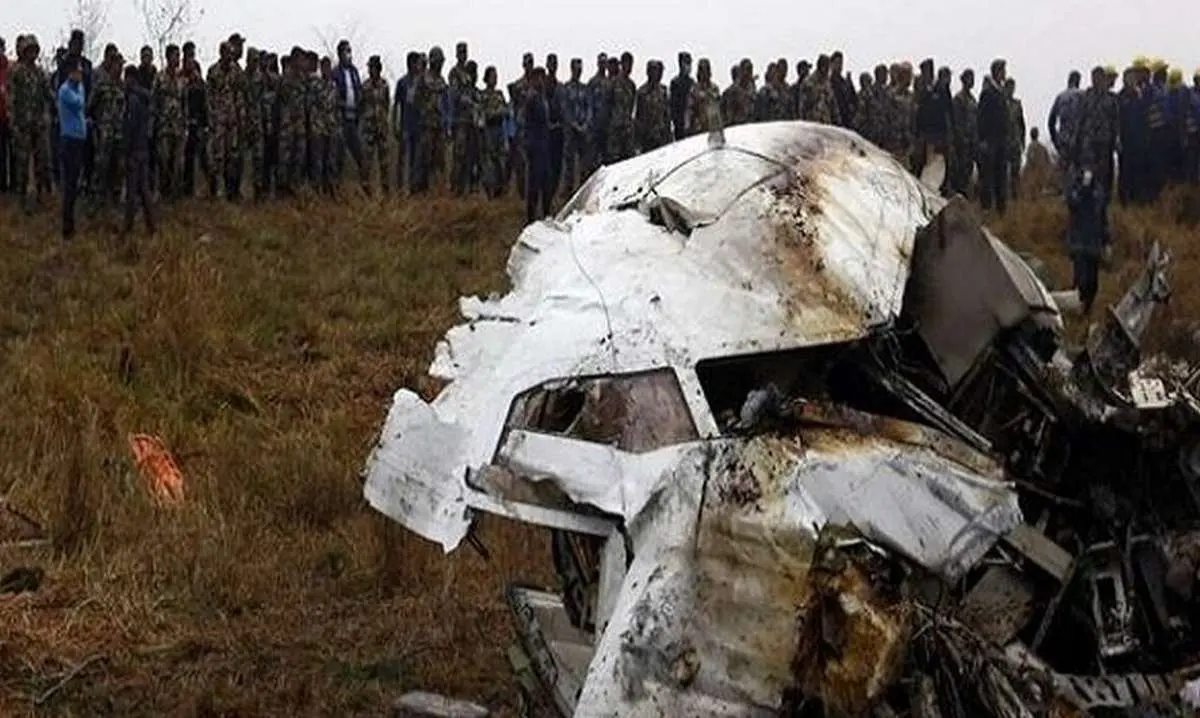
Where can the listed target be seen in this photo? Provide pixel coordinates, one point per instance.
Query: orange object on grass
(157, 468)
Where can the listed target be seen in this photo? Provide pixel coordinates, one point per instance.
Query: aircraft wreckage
(809, 440)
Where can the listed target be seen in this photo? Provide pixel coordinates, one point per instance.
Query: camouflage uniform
(269, 111)
(227, 102)
(820, 104)
(599, 95)
(703, 108)
(872, 115)
(375, 105)
(293, 128)
(468, 121)
(965, 140)
(1096, 139)
(652, 122)
(431, 143)
(577, 109)
(106, 107)
(772, 103)
(516, 152)
(255, 130)
(495, 111)
(30, 104)
(737, 105)
(623, 96)
(321, 101)
(171, 128)
(901, 124)
(1016, 143)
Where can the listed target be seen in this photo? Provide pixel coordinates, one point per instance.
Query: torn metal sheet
(806, 239)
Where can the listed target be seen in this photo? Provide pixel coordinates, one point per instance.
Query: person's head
(411, 60)
(551, 65)
(537, 79)
(75, 44)
(864, 80)
(576, 68)
(745, 71)
(626, 63)
(30, 51)
(489, 77)
(345, 53)
(881, 75)
(968, 79)
(460, 52)
(131, 76)
(685, 63)
(237, 44)
(823, 66)
(999, 71)
(836, 63)
(803, 69)
(614, 67)
(601, 62)
(654, 71)
(1074, 79)
(527, 63)
(253, 59)
(472, 70)
(1099, 78)
(271, 64)
(189, 50)
(173, 56)
(436, 59)
(927, 70)
(944, 77)
(1033, 134)
(326, 66)
(147, 55)
(781, 69)
(1010, 87)
(225, 52)
(703, 70)
(374, 67)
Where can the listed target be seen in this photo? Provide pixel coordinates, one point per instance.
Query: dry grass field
(263, 345)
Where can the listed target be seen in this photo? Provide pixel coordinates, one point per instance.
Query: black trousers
(1086, 278)
(537, 182)
(195, 151)
(993, 178)
(137, 189)
(70, 166)
(557, 140)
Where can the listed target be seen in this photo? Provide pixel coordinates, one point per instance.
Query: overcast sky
(1042, 40)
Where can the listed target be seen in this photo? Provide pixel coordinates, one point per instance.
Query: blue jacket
(1087, 227)
(71, 103)
(410, 120)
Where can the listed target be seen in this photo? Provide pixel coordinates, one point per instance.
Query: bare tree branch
(90, 16)
(166, 22)
(328, 36)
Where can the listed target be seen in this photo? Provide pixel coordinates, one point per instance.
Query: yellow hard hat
(1110, 70)
(1141, 63)
(1196, 73)
(1175, 77)
(1158, 65)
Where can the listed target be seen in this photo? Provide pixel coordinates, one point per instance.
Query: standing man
(137, 129)
(431, 100)
(1088, 234)
(652, 123)
(577, 118)
(349, 99)
(704, 102)
(1095, 139)
(293, 130)
(376, 101)
(554, 102)
(624, 95)
(993, 139)
(966, 135)
(517, 92)
(843, 90)
(496, 112)
(1063, 124)
(75, 47)
(935, 116)
(31, 102)
(681, 88)
(598, 87)
(72, 127)
(468, 120)
(169, 121)
(1016, 135)
(256, 82)
(537, 147)
(227, 97)
(405, 120)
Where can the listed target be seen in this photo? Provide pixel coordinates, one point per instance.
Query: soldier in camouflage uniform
(468, 122)
(293, 121)
(598, 87)
(965, 142)
(321, 100)
(873, 108)
(106, 107)
(255, 131)
(516, 94)
(1016, 136)
(820, 104)
(495, 111)
(268, 110)
(652, 119)
(737, 102)
(431, 100)
(375, 105)
(624, 94)
(772, 103)
(30, 108)
(227, 109)
(169, 123)
(577, 116)
(902, 116)
(1100, 123)
(704, 102)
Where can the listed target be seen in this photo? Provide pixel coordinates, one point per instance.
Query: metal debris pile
(862, 474)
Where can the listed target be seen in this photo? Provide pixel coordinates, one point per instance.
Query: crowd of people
(297, 120)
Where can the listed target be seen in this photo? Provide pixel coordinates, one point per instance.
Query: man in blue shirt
(406, 119)
(72, 132)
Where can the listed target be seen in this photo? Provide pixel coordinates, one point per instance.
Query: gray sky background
(1042, 40)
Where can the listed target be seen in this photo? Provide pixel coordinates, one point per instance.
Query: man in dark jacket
(537, 148)
(349, 101)
(935, 116)
(681, 89)
(136, 131)
(1088, 234)
(993, 139)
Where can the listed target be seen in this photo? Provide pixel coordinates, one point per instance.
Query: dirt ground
(263, 345)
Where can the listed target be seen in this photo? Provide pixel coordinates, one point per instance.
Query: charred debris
(1088, 607)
